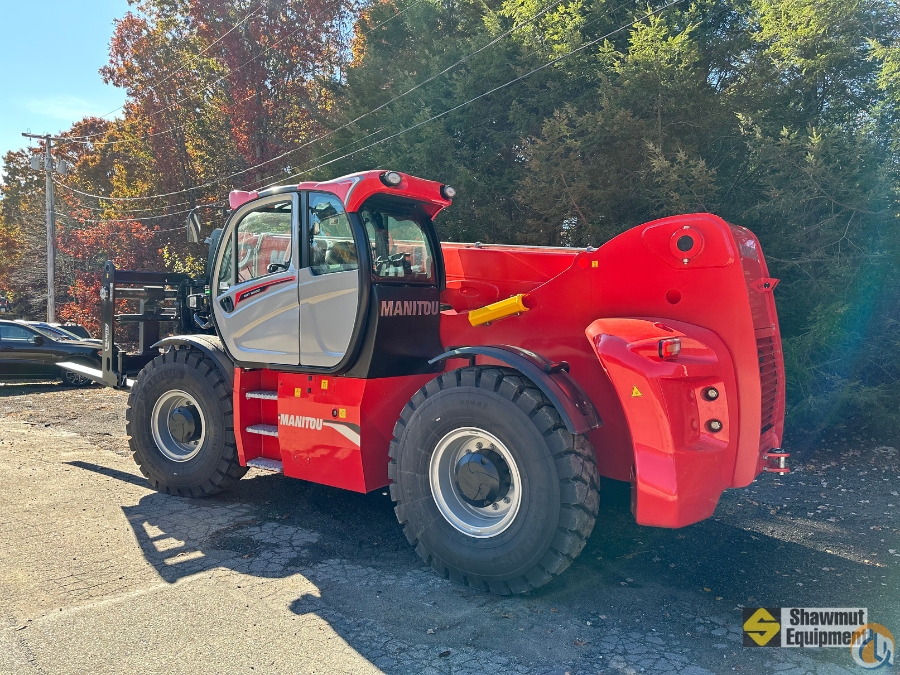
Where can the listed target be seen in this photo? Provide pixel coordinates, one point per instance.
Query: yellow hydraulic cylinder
(498, 310)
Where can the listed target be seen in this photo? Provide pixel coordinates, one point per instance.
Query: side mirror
(193, 227)
(38, 340)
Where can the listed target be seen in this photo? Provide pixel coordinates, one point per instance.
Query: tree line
(779, 115)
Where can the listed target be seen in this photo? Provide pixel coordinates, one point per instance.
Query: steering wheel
(395, 260)
(384, 265)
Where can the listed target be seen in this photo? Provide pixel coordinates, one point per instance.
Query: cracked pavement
(100, 574)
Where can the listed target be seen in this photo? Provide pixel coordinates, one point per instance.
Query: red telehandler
(334, 338)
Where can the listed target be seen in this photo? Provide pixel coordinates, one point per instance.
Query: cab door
(329, 284)
(255, 282)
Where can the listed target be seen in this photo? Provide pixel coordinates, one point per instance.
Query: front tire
(531, 505)
(181, 426)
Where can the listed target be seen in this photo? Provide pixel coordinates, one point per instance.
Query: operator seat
(341, 253)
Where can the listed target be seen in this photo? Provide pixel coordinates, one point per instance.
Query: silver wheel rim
(162, 434)
(479, 522)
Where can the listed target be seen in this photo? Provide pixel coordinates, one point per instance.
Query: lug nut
(506, 500)
(714, 425)
(495, 506)
(711, 394)
(479, 446)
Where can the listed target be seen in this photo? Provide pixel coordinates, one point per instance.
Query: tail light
(669, 348)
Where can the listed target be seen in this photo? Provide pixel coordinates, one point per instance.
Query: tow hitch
(776, 461)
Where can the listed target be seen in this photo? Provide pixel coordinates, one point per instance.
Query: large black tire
(215, 466)
(559, 480)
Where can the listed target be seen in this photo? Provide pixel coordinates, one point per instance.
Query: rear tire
(518, 436)
(192, 467)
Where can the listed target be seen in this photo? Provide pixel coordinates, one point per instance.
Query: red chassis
(604, 312)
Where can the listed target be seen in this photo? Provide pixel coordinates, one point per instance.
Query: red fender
(681, 464)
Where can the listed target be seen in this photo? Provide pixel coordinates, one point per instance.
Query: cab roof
(356, 188)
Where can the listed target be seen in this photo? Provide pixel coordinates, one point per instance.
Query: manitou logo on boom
(301, 422)
(409, 307)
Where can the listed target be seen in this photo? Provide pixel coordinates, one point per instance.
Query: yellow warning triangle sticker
(635, 392)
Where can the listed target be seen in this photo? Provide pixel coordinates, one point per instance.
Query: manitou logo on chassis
(409, 307)
(301, 422)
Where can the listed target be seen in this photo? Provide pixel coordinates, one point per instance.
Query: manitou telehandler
(334, 338)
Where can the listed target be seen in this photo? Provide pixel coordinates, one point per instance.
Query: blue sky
(50, 52)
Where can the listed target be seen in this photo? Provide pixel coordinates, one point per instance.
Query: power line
(379, 25)
(490, 91)
(231, 72)
(439, 115)
(168, 206)
(547, 8)
(184, 65)
(127, 218)
(97, 144)
(84, 139)
(177, 103)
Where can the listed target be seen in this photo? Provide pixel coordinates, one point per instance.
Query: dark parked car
(30, 352)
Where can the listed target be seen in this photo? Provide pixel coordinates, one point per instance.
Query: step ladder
(263, 430)
(271, 465)
(271, 430)
(265, 395)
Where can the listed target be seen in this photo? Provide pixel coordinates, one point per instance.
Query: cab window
(227, 266)
(264, 242)
(331, 245)
(400, 249)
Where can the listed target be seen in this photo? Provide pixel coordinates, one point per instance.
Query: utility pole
(50, 167)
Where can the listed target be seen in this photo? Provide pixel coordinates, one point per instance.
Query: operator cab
(336, 277)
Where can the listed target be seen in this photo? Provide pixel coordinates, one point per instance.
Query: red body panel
(331, 430)
(637, 275)
(680, 466)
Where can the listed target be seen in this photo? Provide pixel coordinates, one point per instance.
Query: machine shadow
(350, 547)
(25, 387)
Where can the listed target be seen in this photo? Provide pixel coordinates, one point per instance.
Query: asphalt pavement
(99, 574)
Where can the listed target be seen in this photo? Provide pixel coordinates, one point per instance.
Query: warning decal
(635, 392)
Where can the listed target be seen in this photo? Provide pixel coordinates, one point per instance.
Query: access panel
(337, 430)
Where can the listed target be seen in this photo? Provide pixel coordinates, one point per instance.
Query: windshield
(400, 249)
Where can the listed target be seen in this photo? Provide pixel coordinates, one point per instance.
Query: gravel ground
(99, 573)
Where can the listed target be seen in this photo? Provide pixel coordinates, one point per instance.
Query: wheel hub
(184, 423)
(178, 425)
(475, 482)
(482, 477)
